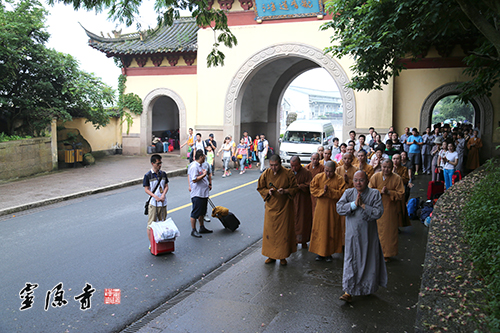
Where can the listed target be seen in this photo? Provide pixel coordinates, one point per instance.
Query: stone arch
(232, 108)
(482, 106)
(147, 115)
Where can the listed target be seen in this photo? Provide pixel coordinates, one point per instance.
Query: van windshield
(302, 137)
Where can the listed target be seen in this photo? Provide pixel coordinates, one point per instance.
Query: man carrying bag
(156, 206)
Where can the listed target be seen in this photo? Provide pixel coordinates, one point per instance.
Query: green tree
(377, 33)
(38, 84)
(450, 108)
(126, 12)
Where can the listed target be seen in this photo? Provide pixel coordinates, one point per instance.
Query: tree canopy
(38, 84)
(448, 108)
(377, 33)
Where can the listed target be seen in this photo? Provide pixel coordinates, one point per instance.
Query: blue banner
(279, 9)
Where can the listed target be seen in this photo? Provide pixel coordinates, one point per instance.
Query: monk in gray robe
(364, 265)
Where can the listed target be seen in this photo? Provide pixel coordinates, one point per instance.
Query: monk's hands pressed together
(325, 189)
(346, 178)
(385, 190)
(358, 201)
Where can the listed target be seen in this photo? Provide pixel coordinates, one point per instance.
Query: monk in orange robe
(474, 144)
(350, 150)
(327, 156)
(315, 167)
(302, 202)
(402, 172)
(326, 235)
(363, 166)
(392, 190)
(346, 171)
(278, 186)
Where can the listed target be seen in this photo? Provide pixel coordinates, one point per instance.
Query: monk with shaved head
(278, 186)
(364, 266)
(326, 235)
(302, 202)
(392, 191)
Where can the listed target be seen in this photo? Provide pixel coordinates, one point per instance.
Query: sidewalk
(109, 172)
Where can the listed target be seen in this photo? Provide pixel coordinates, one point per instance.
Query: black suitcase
(230, 221)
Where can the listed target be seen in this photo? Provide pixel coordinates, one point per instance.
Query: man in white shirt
(200, 187)
(262, 148)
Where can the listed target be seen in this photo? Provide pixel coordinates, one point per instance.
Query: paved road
(101, 240)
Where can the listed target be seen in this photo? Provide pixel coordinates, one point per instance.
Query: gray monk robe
(364, 265)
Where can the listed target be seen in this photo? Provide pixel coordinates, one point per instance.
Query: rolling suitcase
(230, 221)
(161, 247)
(434, 189)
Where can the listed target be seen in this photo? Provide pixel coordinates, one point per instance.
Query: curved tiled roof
(181, 36)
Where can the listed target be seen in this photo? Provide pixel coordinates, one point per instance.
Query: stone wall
(25, 157)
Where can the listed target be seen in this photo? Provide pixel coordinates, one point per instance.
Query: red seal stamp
(111, 296)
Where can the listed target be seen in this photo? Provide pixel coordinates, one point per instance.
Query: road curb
(15, 209)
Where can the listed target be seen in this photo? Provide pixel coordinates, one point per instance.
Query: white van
(303, 137)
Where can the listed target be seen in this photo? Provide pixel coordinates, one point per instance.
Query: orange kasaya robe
(402, 172)
(278, 240)
(341, 171)
(303, 206)
(314, 171)
(474, 144)
(368, 169)
(388, 224)
(326, 235)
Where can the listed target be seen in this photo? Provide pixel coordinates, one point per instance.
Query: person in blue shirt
(415, 143)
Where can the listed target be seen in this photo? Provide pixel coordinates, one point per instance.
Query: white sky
(68, 36)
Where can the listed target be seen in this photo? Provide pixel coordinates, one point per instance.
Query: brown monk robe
(302, 202)
(326, 235)
(355, 161)
(363, 166)
(402, 172)
(314, 167)
(347, 171)
(278, 186)
(392, 190)
(474, 144)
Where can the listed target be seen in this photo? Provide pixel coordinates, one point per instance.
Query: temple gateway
(277, 41)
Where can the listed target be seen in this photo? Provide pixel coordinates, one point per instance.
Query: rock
(70, 135)
(88, 159)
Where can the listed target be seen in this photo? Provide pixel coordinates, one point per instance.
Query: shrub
(482, 230)
(4, 137)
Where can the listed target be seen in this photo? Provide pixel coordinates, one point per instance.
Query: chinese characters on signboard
(55, 297)
(278, 9)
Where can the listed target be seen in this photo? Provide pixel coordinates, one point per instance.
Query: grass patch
(482, 230)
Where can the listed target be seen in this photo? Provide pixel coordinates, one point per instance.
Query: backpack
(427, 210)
(270, 152)
(412, 208)
(260, 146)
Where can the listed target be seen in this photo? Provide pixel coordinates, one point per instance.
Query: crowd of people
(242, 155)
(352, 197)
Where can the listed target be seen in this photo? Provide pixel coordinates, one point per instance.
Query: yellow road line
(213, 196)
